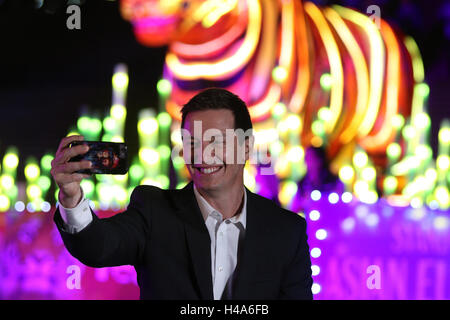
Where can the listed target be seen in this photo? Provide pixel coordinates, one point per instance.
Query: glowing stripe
(418, 74)
(265, 58)
(361, 72)
(377, 61)
(205, 8)
(334, 58)
(222, 8)
(287, 34)
(227, 67)
(303, 73)
(207, 48)
(258, 111)
(393, 72)
(262, 109)
(416, 59)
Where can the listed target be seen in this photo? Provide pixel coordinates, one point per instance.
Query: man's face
(214, 163)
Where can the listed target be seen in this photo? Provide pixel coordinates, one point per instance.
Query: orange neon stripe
(361, 72)
(301, 90)
(334, 58)
(387, 131)
(205, 49)
(223, 68)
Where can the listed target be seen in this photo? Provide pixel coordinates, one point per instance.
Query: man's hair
(218, 98)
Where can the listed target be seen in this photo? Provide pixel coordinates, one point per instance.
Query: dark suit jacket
(163, 235)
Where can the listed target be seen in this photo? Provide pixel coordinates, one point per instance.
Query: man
(213, 239)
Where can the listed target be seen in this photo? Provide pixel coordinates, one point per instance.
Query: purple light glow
(152, 22)
(412, 255)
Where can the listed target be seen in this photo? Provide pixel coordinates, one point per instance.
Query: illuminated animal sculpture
(334, 76)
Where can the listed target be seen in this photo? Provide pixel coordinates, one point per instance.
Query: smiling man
(213, 239)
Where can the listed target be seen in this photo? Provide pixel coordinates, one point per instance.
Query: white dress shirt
(76, 219)
(224, 234)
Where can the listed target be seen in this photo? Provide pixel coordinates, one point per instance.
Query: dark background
(49, 73)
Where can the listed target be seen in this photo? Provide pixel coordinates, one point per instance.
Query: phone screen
(106, 157)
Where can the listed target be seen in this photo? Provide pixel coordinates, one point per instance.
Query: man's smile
(207, 169)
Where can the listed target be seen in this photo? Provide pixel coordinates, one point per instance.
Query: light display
(355, 87)
(326, 77)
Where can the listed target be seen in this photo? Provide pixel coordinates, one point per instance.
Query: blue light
(314, 215)
(316, 195)
(315, 288)
(45, 206)
(316, 252)
(315, 270)
(19, 206)
(372, 220)
(333, 198)
(348, 224)
(30, 207)
(347, 197)
(321, 234)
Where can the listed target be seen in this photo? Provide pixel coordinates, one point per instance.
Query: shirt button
(220, 269)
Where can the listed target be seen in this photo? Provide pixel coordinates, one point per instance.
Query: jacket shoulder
(275, 212)
(153, 194)
(147, 189)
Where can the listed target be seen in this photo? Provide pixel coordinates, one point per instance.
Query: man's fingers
(65, 155)
(68, 140)
(73, 152)
(75, 177)
(71, 167)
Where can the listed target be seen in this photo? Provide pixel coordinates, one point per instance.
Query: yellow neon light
(416, 58)
(225, 67)
(265, 58)
(303, 73)
(207, 7)
(287, 34)
(257, 111)
(387, 131)
(205, 48)
(334, 58)
(221, 8)
(418, 74)
(362, 74)
(261, 109)
(377, 60)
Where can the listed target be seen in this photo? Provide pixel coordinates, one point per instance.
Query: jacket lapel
(254, 234)
(197, 238)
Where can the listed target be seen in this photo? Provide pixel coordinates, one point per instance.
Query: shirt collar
(207, 210)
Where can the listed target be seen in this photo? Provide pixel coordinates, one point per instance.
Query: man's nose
(209, 152)
(204, 154)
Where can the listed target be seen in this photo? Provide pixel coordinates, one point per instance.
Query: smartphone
(106, 157)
